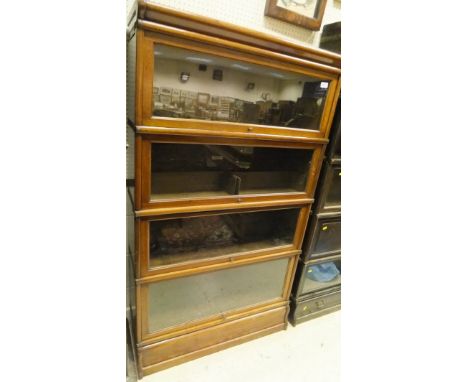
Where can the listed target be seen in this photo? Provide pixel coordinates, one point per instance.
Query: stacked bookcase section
(317, 285)
(230, 130)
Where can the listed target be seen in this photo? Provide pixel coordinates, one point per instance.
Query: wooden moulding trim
(229, 258)
(216, 27)
(139, 80)
(210, 322)
(174, 135)
(222, 212)
(211, 349)
(313, 261)
(234, 263)
(238, 200)
(322, 255)
(222, 207)
(328, 121)
(228, 134)
(289, 277)
(308, 297)
(324, 293)
(164, 29)
(328, 215)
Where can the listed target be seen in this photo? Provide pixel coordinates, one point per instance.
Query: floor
(308, 352)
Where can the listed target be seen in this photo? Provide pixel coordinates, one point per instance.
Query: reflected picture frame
(304, 13)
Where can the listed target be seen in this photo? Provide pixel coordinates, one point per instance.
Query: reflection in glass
(177, 301)
(184, 239)
(187, 170)
(188, 84)
(320, 276)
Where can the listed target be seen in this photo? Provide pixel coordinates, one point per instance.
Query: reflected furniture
(225, 169)
(331, 37)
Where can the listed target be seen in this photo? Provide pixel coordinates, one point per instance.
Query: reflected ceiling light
(198, 59)
(324, 85)
(157, 53)
(277, 75)
(240, 67)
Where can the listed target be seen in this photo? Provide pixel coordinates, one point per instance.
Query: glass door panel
(193, 238)
(198, 170)
(192, 85)
(334, 192)
(329, 237)
(321, 276)
(181, 300)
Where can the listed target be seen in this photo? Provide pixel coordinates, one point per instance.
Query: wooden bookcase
(317, 285)
(229, 128)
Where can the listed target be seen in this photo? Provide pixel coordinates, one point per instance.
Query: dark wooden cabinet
(329, 197)
(317, 283)
(305, 309)
(334, 146)
(228, 131)
(317, 275)
(323, 236)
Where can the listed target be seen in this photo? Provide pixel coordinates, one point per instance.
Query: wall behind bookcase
(250, 14)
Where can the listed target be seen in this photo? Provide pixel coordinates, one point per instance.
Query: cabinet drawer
(171, 352)
(190, 172)
(328, 194)
(315, 276)
(315, 306)
(323, 236)
(193, 85)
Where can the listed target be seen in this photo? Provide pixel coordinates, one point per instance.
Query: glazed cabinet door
(323, 237)
(318, 275)
(329, 199)
(195, 85)
(215, 296)
(196, 172)
(172, 243)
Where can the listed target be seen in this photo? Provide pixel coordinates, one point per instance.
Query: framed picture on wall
(305, 13)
